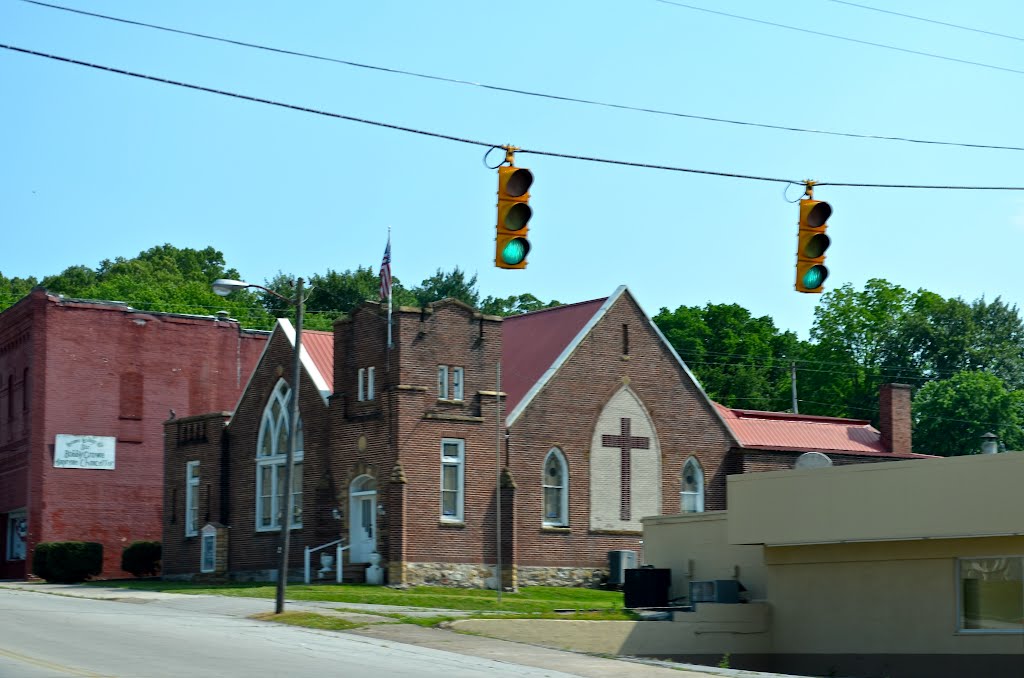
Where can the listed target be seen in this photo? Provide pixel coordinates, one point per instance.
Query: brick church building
(85, 387)
(583, 415)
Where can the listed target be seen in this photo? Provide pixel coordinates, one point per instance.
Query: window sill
(556, 529)
(451, 523)
(450, 401)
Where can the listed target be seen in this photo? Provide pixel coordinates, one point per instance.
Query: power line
(448, 137)
(931, 21)
(843, 37)
(512, 90)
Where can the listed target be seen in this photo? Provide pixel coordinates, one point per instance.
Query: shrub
(67, 562)
(142, 558)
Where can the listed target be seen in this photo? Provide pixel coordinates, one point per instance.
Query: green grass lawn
(530, 599)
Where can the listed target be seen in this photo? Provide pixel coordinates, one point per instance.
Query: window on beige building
(991, 594)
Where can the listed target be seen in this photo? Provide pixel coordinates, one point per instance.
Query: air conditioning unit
(715, 591)
(618, 563)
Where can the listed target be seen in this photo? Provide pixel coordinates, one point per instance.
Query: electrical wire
(512, 90)
(931, 21)
(449, 137)
(905, 50)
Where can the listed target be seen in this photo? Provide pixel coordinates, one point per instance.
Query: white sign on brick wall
(74, 451)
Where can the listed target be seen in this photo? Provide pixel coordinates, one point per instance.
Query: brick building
(596, 423)
(85, 387)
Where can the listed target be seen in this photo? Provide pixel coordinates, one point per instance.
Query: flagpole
(389, 296)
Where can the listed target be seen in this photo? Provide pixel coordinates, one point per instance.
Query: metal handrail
(338, 565)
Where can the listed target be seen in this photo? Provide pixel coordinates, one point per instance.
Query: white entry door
(363, 522)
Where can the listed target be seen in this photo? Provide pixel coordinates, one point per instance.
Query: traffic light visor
(514, 182)
(815, 213)
(514, 217)
(815, 246)
(514, 251)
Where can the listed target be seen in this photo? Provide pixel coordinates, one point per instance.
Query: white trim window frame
(691, 491)
(192, 499)
(442, 382)
(555, 483)
(365, 386)
(453, 479)
(271, 454)
(990, 595)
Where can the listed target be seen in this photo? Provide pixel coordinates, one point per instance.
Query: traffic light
(511, 245)
(811, 245)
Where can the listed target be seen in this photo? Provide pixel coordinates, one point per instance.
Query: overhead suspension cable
(523, 92)
(449, 137)
(930, 21)
(905, 50)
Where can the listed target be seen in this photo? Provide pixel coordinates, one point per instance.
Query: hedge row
(71, 562)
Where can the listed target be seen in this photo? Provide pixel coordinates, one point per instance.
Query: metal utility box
(715, 591)
(618, 563)
(647, 587)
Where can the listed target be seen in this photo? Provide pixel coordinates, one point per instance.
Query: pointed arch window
(556, 489)
(691, 498)
(271, 451)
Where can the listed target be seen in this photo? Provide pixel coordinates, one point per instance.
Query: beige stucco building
(912, 569)
(901, 569)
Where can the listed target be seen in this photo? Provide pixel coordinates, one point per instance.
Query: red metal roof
(785, 431)
(320, 347)
(532, 342)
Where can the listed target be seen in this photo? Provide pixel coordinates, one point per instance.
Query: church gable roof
(540, 342)
(785, 431)
(535, 344)
(317, 356)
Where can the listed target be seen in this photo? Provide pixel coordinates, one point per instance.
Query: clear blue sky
(96, 165)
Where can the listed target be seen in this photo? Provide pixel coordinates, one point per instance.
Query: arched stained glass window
(271, 451)
(691, 498)
(556, 489)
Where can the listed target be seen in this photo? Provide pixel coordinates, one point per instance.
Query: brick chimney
(894, 417)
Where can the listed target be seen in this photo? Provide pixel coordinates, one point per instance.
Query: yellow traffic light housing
(511, 245)
(811, 245)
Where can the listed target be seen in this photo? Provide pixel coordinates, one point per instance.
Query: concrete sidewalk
(385, 628)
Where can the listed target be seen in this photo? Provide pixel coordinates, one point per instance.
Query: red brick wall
(200, 438)
(16, 341)
(103, 370)
(564, 414)
(250, 549)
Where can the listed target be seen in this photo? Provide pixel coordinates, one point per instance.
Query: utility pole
(792, 381)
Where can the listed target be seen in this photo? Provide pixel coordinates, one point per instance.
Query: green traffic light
(515, 251)
(815, 277)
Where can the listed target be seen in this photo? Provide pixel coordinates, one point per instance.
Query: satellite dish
(812, 460)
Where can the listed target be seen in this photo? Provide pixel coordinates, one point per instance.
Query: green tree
(516, 304)
(443, 285)
(858, 341)
(951, 415)
(13, 289)
(741, 361)
(162, 279)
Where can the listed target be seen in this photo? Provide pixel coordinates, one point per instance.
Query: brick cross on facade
(626, 444)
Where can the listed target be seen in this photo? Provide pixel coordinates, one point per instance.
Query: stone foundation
(582, 577)
(456, 575)
(478, 576)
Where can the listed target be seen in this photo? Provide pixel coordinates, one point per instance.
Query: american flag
(385, 272)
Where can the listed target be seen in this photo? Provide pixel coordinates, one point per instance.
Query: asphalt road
(50, 636)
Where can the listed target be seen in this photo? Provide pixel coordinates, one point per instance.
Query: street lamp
(224, 287)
